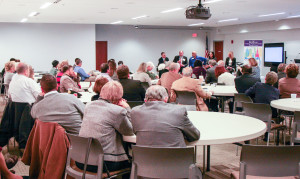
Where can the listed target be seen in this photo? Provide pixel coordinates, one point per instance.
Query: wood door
(101, 53)
(218, 47)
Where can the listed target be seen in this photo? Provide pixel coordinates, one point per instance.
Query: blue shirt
(192, 61)
(81, 72)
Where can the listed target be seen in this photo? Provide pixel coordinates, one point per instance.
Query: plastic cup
(293, 96)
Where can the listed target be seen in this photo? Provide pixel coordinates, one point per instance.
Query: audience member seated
(244, 82)
(112, 71)
(160, 124)
(80, 71)
(210, 73)
(290, 84)
(66, 82)
(141, 74)
(150, 67)
(106, 120)
(281, 73)
(230, 63)
(224, 77)
(255, 68)
(168, 78)
(163, 68)
(186, 83)
(61, 73)
(64, 109)
(181, 59)
(54, 69)
(120, 63)
(23, 89)
(162, 59)
(196, 57)
(221, 63)
(199, 70)
(104, 72)
(265, 92)
(10, 69)
(31, 72)
(132, 89)
(100, 82)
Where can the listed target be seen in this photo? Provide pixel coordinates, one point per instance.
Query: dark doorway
(101, 53)
(218, 47)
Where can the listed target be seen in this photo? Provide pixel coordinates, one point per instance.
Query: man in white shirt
(21, 88)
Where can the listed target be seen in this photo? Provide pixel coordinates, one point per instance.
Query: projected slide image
(273, 54)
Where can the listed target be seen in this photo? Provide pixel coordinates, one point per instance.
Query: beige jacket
(68, 83)
(190, 84)
(167, 80)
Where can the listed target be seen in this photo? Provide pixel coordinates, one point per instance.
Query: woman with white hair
(10, 68)
(150, 67)
(106, 120)
(141, 74)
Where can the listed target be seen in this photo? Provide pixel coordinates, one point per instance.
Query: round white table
(220, 128)
(287, 104)
(86, 85)
(86, 97)
(221, 91)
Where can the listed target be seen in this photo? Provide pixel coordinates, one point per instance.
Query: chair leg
(284, 133)
(133, 174)
(268, 138)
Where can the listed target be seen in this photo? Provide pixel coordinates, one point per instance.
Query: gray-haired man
(160, 124)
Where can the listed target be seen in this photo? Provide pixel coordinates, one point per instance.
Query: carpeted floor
(223, 157)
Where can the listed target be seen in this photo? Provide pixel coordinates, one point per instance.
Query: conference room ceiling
(109, 11)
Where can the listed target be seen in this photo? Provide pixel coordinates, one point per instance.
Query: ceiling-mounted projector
(198, 12)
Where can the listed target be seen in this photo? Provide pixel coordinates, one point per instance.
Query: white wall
(39, 44)
(134, 46)
(266, 31)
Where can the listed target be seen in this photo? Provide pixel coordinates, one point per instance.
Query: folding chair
(164, 163)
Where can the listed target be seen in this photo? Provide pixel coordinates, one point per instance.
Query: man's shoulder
(239, 78)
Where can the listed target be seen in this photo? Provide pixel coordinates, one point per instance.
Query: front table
(220, 128)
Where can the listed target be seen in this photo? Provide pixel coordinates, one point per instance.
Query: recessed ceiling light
(139, 17)
(275, 14)
(116, 22)
(196, 24)
(284, 27)
(47, 4)
(295, 16)
(24, 20)
(212, 1)
(244, 31)
(32, 14)
(171, 10)
(227, 20)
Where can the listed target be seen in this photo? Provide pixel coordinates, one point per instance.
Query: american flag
(206, 49)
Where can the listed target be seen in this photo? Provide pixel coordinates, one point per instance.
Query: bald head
(22, 69)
